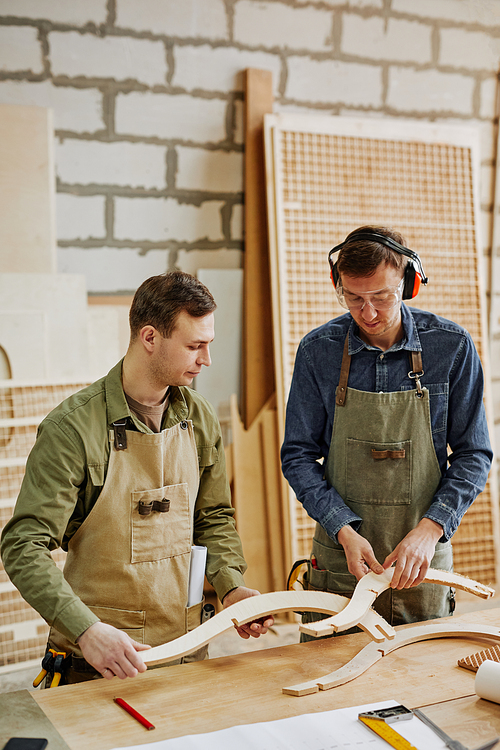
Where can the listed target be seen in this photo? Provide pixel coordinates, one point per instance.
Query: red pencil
(134, 713)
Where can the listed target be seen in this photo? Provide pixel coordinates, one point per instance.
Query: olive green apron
(383, 464)
(129, 560)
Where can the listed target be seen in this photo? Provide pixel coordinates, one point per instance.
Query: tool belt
(56, 666)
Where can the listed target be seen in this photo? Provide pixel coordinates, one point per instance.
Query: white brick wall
(191, 260)
(333, 81)
(199, 169)
(468, 49)
(152, 92)
(80, 217)
(237, 216)
(79, 110)
(109, 268)
(264, 24)
(219, 69)
(167, 116)
(20, 49)
(58, 11)
(488, 93)
(393, 40)
(239, 125)
(429, 91)
(379, 4)
(453, 10)
(132, 164)
(160, 219)
(177, 18)
(121, 58)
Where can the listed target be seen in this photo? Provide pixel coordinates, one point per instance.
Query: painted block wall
(148, 108)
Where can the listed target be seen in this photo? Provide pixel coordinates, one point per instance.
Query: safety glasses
(379, 299)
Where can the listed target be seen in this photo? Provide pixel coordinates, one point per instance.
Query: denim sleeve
(304, 445)
(468, 439)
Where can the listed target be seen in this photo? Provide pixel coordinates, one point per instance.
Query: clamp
(52, 663)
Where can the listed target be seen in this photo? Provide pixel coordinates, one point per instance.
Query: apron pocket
(378, 473)
(129, 620)
(193, 619)
(161, 523)
(332, 573)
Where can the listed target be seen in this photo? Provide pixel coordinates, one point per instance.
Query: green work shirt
(65, 473)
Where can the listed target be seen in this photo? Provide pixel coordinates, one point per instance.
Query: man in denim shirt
(366, 451)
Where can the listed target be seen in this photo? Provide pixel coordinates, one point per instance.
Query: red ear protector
(414, 274)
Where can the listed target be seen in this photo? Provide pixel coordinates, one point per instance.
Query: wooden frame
(372, 585)
(259, 606)
(357, 609)
(373, 652)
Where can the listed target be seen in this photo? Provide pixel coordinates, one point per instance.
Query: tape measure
(393, 738)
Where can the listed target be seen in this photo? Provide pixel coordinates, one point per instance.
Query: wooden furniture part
(357, 611)
(371, 653)
(372, 585)
(259, 606)
(257, 342)
(219, 693)
(328, 175)
(257, 498)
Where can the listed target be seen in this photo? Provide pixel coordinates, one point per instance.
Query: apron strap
(341, 391)
(416, 371)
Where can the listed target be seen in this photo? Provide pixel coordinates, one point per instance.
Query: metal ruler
(393, 738)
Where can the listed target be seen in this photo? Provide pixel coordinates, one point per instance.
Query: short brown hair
(362, 257)
(160, 299)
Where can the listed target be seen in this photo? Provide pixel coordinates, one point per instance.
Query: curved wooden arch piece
(373, 652)
(371, 585)
(259, 606)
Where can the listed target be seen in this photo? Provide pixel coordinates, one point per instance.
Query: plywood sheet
(329, 175)
(62, 298)
(23, 337)
(223, 378)
(27, 189)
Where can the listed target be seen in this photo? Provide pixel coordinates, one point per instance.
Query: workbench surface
(246, 688)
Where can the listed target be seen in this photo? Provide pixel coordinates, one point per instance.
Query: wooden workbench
(246, 688)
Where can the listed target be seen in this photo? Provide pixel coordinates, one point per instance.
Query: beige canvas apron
(383, 464)
(129, 560)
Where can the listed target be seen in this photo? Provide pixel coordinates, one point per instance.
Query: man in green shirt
(125, 476)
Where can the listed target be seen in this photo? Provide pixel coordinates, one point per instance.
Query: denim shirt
(452, 374)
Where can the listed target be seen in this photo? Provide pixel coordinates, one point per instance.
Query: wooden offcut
(257, 344)
(474, 661)
(256, 498)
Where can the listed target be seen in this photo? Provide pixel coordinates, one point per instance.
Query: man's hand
(413, 554)
(111, 651)
(359, 553)
(256, 628)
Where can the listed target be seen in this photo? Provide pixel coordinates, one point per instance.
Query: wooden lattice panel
(330, 175)
(23, 633)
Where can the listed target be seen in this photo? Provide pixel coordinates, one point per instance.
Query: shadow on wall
(5, 368)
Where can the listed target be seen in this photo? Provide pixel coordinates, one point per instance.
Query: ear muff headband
(414, 274)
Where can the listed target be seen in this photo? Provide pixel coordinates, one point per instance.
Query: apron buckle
(120, 435)
(416, 377)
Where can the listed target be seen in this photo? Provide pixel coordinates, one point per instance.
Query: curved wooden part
(259, 606)
(373, 652)
(371, 585)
